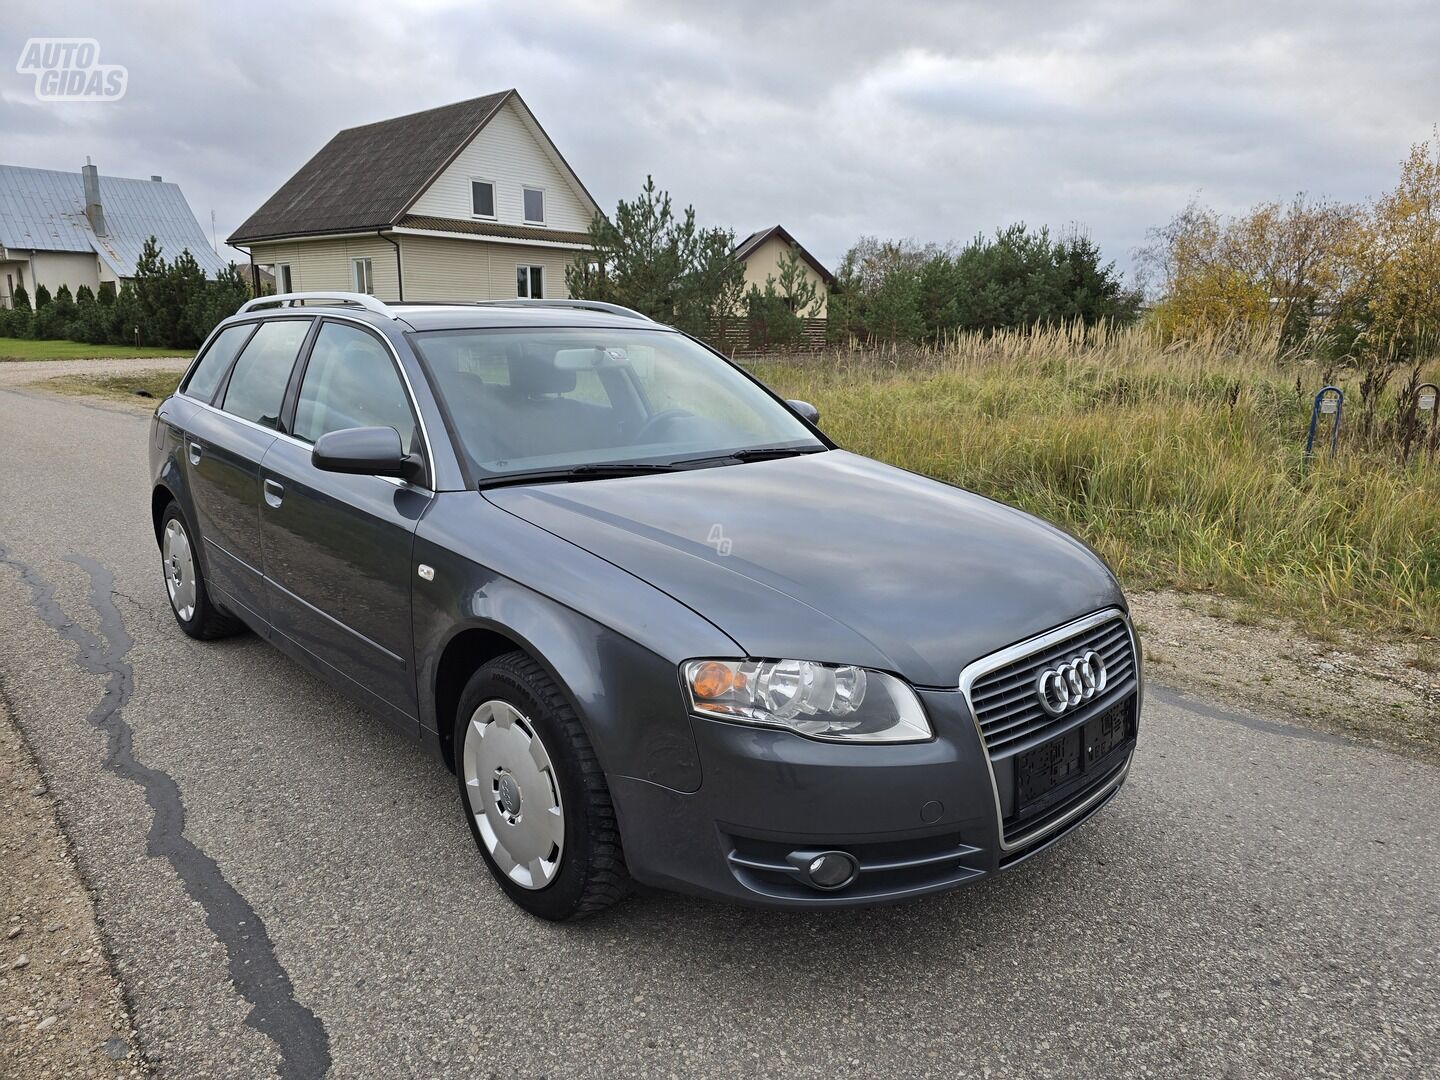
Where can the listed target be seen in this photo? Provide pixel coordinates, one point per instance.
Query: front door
(338, 547)
(224, 449)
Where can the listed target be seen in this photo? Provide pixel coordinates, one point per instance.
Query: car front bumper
(916, 818)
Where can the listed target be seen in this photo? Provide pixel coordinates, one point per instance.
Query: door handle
(195, 451)
(274, 493)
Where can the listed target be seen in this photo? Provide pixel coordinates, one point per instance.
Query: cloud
(930, 120)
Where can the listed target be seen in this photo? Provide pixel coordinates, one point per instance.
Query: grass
(27, 349)
(133, 386)
(1182, 465)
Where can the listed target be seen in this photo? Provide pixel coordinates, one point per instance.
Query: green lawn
(26, 349)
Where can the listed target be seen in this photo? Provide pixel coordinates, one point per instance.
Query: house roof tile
(367, 176)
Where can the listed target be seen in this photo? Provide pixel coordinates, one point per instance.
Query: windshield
(525, 400)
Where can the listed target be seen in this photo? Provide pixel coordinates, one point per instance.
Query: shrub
(169, 304)
(16, 322)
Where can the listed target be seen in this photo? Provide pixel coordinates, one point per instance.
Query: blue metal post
(1427, 399)
(1315, 420)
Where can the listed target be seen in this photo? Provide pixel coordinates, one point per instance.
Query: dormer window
(534, 206)
(482, 198)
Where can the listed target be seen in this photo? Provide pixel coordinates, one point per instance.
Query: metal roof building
(82, 228)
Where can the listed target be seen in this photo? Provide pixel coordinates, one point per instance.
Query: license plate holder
(1043, 774)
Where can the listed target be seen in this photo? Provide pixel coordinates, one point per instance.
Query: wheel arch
(469, 649)
(160, 498)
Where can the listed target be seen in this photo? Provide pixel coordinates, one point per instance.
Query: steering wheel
(661, 417)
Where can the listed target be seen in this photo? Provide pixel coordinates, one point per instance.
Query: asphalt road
(288, 888)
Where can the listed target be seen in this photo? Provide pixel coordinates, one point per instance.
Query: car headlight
(823, 701)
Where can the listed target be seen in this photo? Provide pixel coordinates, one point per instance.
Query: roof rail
(584, 305)
(297, 299)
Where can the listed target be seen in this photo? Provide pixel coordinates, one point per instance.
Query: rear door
(338, 548)
(224, 445)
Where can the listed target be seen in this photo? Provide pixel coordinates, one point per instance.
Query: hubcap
(513, 794)
(179, 565)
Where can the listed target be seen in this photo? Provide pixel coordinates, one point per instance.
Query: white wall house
(470, 201)
(81, 228)
(762, 251)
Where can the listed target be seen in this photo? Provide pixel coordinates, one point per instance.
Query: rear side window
(211, 369)
(257, 385)
(350, 381)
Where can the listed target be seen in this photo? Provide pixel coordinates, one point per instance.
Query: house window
(363, 274)
(530, 282)
(283, 282)
(535, 206)
(482, 198)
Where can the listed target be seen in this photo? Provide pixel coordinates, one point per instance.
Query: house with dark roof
(81, 228)
(762, 251)
(470, 201)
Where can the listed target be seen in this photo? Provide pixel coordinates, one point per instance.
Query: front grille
(1005, 702)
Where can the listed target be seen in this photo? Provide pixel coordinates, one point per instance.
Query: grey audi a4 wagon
(661, 628)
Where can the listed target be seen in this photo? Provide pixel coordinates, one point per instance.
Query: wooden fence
(739, 334)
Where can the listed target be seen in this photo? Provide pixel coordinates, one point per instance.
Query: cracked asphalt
(289, 890)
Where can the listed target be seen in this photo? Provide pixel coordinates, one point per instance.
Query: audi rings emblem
(1069, 684)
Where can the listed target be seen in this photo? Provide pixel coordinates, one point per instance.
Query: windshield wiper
(597, 471)
(758, 453)
(761, 453)
(620, 468)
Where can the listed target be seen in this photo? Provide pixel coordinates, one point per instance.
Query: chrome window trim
(394, 355)
(301, 443)
(1020, 651)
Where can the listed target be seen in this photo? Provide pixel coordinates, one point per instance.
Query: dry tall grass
(1180, 463)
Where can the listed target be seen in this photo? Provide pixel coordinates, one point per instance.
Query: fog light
(831, 870)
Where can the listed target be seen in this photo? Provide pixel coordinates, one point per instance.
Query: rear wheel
(534, 795)
(185, 584)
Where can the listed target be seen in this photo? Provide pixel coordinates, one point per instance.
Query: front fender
(612, 642)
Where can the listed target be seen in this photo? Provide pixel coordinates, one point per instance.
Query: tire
(190, 601)
(512, 801)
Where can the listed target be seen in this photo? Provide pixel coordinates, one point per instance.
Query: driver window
(350, 382)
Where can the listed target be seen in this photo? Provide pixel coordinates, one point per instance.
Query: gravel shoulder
(1377, 692)
(33, 373)
(61, 1006)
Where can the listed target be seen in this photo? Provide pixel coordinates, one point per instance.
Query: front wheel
(185, 584)
(534, 795)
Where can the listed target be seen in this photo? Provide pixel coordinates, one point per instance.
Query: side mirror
(366, 451)
(805, 411)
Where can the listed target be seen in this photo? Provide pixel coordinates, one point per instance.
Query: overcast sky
(900, 119)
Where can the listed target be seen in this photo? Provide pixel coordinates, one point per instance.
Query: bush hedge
(171, 304)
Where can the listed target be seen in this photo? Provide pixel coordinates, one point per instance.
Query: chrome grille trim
(1004, 701)
(1023, 658)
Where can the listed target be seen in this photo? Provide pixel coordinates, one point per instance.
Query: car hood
(832, 557)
